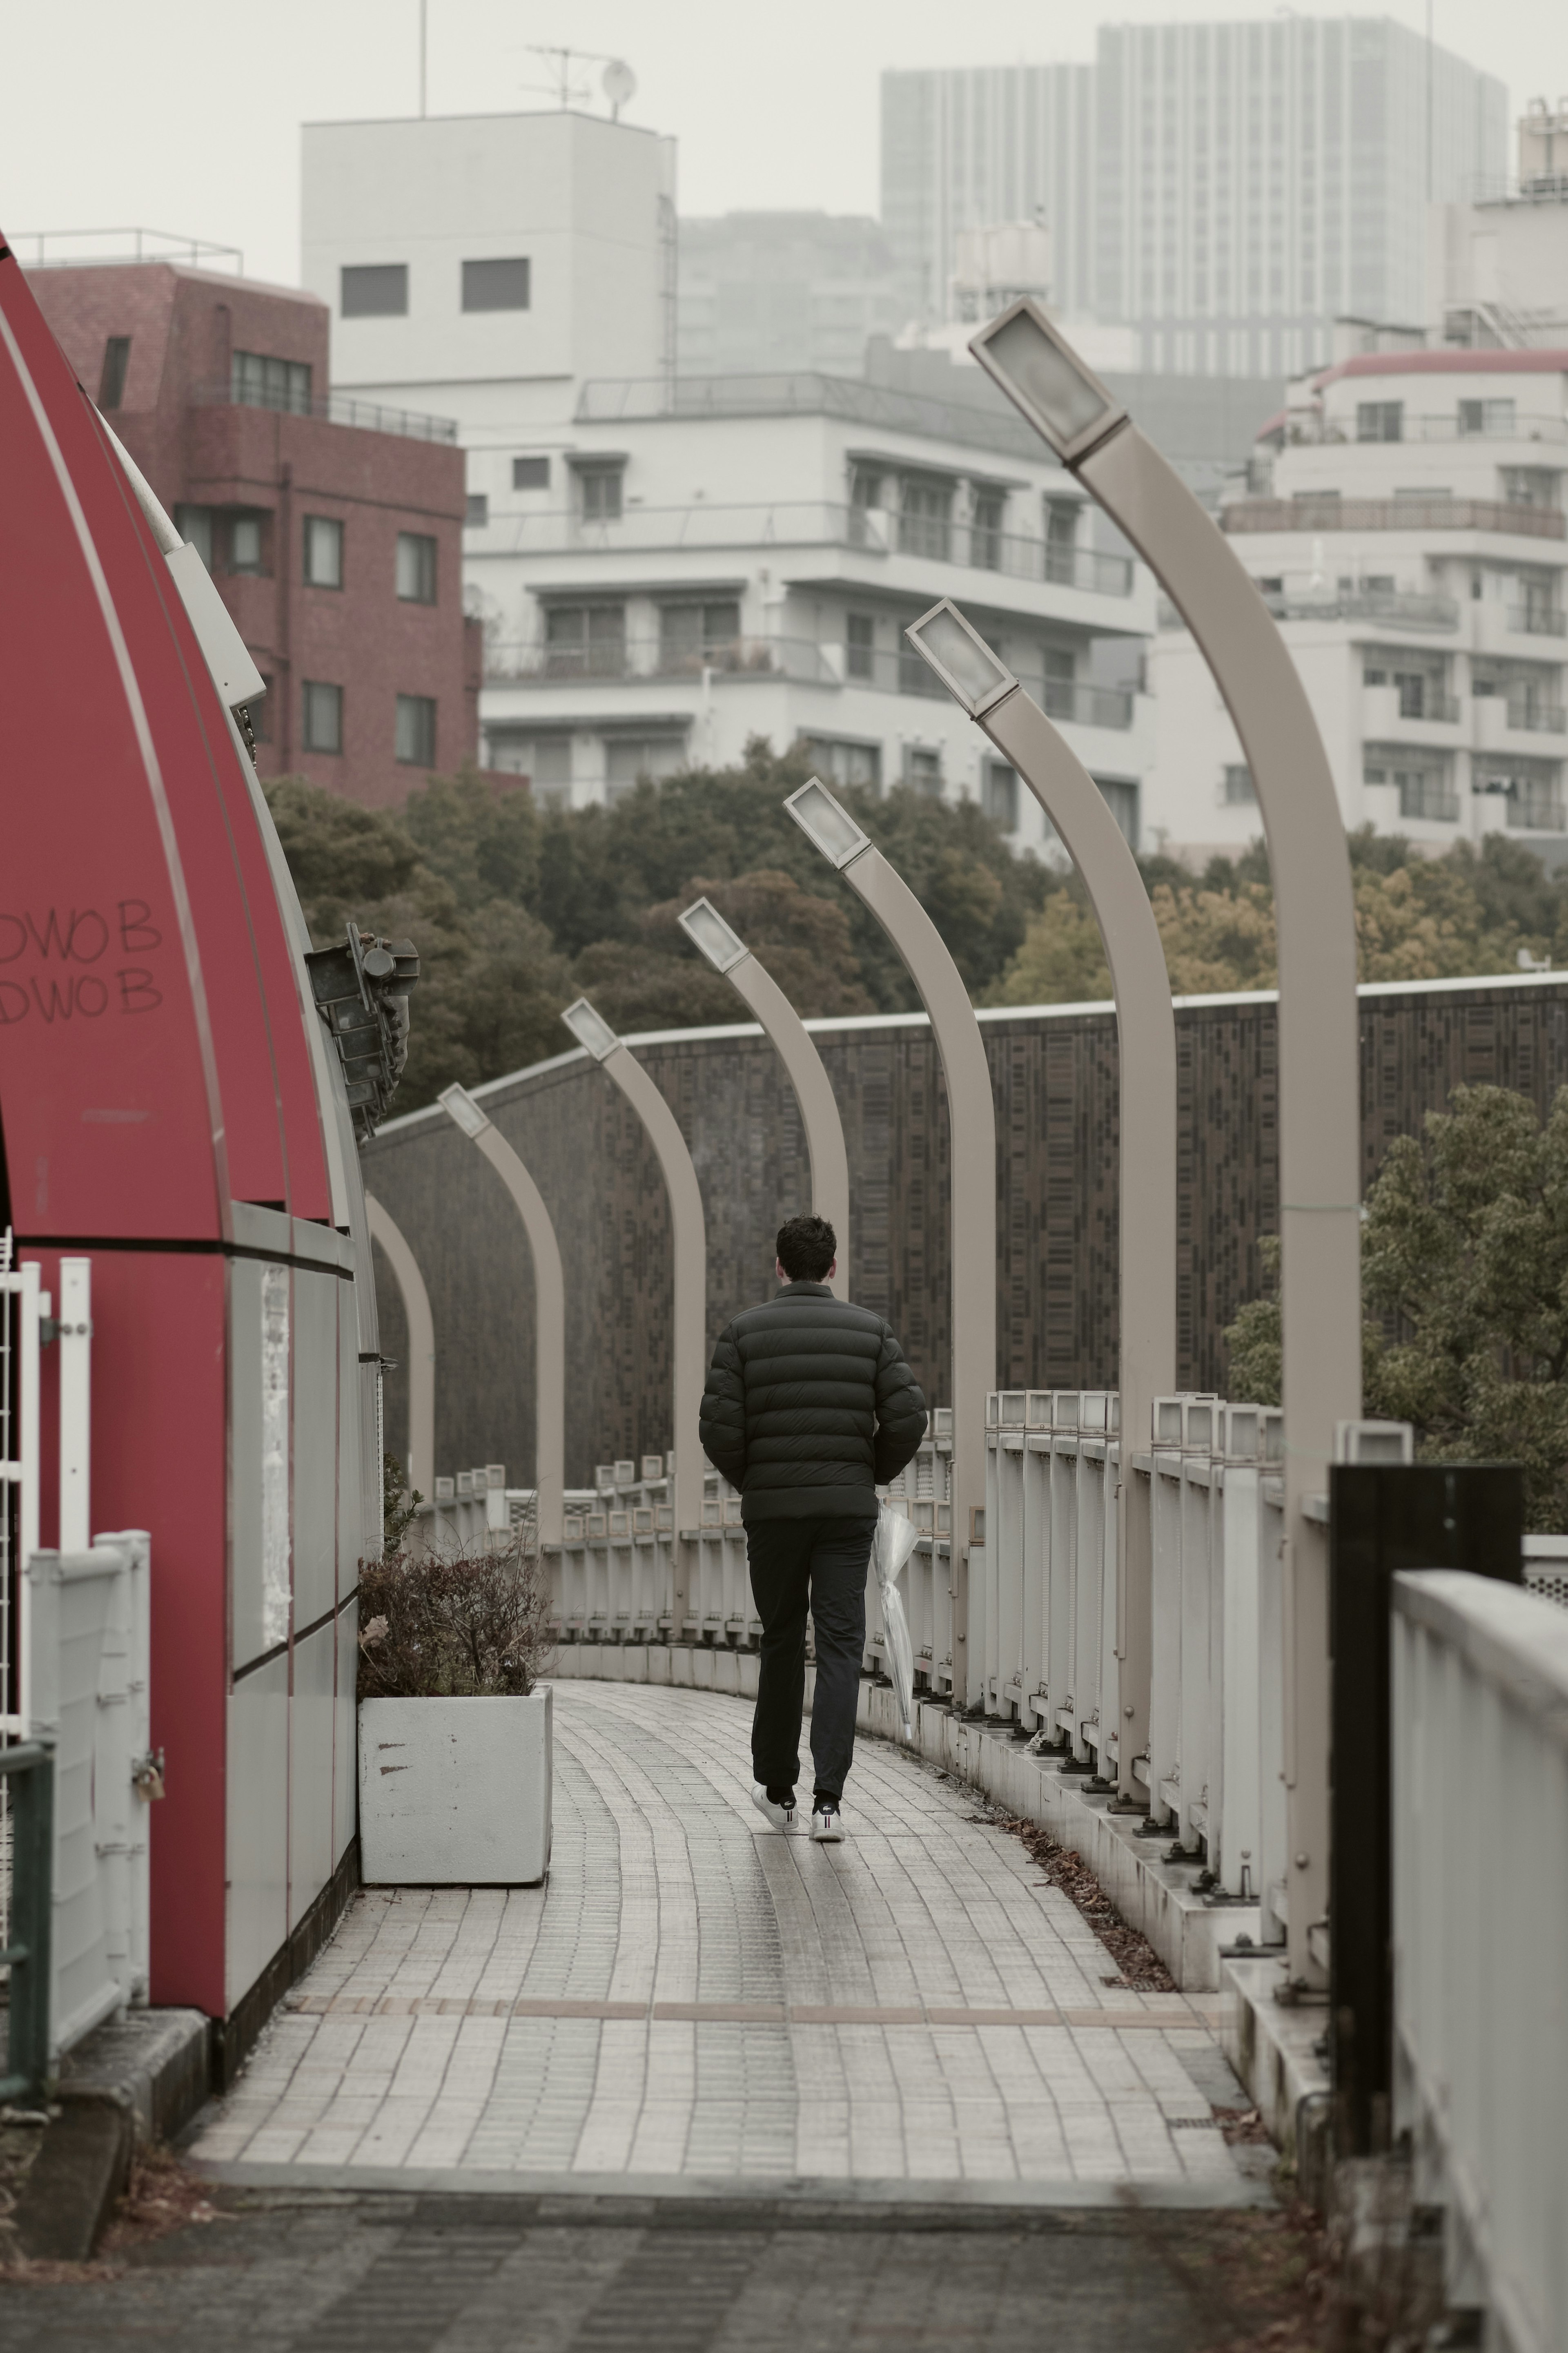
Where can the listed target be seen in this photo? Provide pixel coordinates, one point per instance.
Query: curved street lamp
(549, 1307)
(421, 1455)
(972, 1148)
(1146, 1034)
(1320, 1123)
(688, 1240)
(707, 930)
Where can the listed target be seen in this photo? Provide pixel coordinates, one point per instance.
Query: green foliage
(1465, 1278)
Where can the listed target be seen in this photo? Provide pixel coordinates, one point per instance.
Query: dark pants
(796, 1564)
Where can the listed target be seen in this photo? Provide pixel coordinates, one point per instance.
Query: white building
(1226, 189)
(667, 569)
(741, 560)
(1405, 520)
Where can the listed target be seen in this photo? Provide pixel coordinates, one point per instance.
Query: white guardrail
(81, 1641)
(1480, 1926)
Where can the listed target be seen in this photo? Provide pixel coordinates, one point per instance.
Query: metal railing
(1326, 514)
(1313, 433)
(1537, 718)
(332, 408)
(1480, 1768)
(1536, 621)
(1400, 608)
(816, 522)
(640, 661)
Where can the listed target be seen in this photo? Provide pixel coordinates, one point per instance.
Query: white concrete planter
(455, 1791)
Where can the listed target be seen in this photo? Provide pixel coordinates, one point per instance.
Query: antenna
(618, 82)
(619, 85)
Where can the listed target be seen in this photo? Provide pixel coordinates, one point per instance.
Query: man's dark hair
(806, 1248)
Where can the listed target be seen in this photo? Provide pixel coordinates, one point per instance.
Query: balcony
(1304, 433)
(1502, 720)
(645, 661)
(1393, 608)
(1396, 716)
(336, 409)
(651, 661)
(813, 523)
(1536, 621)
(1330, 514)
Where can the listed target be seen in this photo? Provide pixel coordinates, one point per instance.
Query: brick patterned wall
(1055, 1080)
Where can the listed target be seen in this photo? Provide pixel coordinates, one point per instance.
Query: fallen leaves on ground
(1139, 1966)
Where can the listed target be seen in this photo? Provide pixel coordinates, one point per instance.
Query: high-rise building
(1226, 190)
(974, 147)
(780, 291)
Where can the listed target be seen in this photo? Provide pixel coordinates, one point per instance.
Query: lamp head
(459, 1105)
(706, 929)
(591, 1030)
(961, 658)
(827, 827)
(1042, 374)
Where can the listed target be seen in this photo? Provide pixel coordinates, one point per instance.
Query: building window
(586, 641)
(245, 544)
(691, 636)
(600, 490)
(1426, 794)
(194, 525)
(111, 382)
(415, 567)
(322, 729)
(1533, 486)
(1238, 791)
(378, 290)
(416, 730)
(859, 645)
(985, 531)
(629, 759)
(544, 760)
(323, 553)
(922, 771)
(1380, 421)
(925, 525)
(257, 382)
(1493, 419)
(864, 493)
(1061, 538)
(842, 762)
(999, 795)
(496, 285)
(530, 473)
(477, 513)
(1121, 799)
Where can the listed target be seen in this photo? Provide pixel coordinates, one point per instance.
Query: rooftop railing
(333, 408)
(1313, 432)
(1325, 512)
(1397, 607)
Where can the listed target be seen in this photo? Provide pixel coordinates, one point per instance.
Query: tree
(1465, 1276)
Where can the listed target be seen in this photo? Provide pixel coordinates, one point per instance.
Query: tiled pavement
(694, 1997)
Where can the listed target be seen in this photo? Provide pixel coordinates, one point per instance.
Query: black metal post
(1385, 1516)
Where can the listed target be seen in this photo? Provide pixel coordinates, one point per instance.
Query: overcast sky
(184, 114)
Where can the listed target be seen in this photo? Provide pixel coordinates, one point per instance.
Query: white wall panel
(345, 1734)
(310, 1735)
(315, 1444)
(258, 1809)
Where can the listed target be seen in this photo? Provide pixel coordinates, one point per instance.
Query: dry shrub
(465, 1624)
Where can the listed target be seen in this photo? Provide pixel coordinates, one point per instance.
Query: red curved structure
(170, 1104)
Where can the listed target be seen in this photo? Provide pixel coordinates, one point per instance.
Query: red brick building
(333, 528)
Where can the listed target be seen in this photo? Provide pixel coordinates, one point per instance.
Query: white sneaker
(827, 1823)
(780, 1817)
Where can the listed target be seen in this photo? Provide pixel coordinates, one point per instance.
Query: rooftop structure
(1403, 517)
(1497, 266)
(333, 525)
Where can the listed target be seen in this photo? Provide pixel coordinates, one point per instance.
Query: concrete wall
(1054, 1074)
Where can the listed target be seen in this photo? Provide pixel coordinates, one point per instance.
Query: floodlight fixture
(955, 649)
(460, 1106)
(708, 932)
(591, 1030)
(827, 824)
(1041, 374)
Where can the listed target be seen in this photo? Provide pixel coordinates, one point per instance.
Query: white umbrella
(896, 1540)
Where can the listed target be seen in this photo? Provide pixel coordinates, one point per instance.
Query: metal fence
(75, 1640)
(1480, 1925)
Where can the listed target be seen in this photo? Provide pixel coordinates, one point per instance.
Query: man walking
(810, 1407)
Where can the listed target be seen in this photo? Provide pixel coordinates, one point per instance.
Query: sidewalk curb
(141, 2078)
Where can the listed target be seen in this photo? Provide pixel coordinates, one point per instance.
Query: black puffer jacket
(810, 1407)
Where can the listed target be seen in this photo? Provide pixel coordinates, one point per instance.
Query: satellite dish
(619, 84)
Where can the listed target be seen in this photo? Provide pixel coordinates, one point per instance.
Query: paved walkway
(694, 1998)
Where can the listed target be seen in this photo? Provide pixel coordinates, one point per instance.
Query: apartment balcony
(1390, 609)
(1532, 632)
(1387, 714)
(1314, 432)
(645, 662)
(1322, 514)
(1508, 724)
